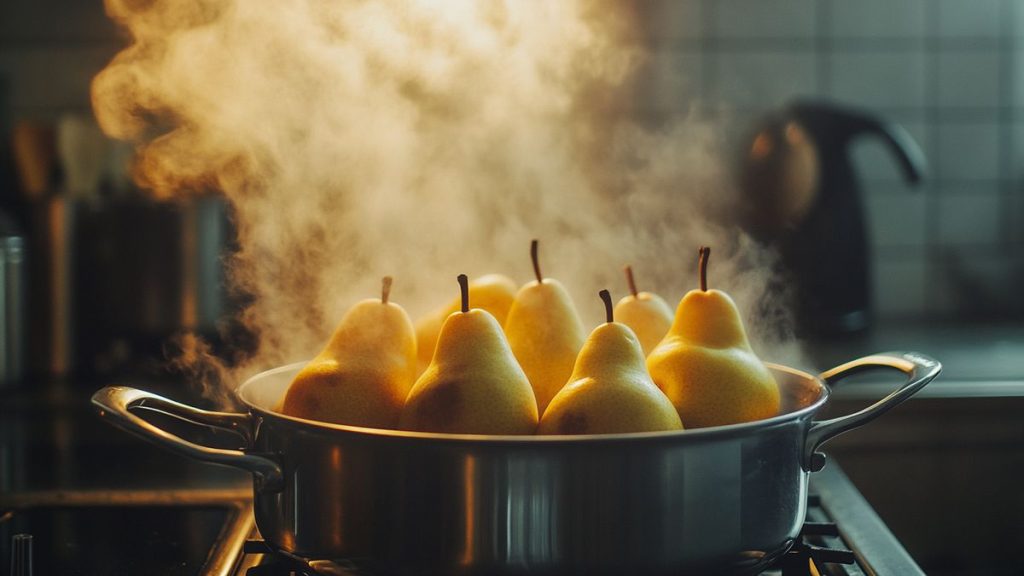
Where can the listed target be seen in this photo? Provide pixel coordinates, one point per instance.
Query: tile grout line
(707, 70)
(823, 44)
(932, 253)
(1007, 57)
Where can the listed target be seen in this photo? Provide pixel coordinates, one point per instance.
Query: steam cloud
(422, 139)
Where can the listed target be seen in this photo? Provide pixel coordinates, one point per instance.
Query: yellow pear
(492, 292)
(364, 373)
(545, 333)
(609, 391)
(473, 384)
(705, 364)
(645, 313)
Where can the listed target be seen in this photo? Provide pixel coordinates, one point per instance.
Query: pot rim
(696, 434)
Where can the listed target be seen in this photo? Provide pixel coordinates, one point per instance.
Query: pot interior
(800, 391)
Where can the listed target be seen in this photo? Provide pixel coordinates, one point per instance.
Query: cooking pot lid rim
(695, 434)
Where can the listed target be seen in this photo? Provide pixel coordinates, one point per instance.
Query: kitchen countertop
(978, 359)
(950, 456)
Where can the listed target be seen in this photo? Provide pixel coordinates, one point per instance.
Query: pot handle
(114, 403)
(919, 369)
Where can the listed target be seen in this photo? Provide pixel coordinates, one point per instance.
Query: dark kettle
(802, 195)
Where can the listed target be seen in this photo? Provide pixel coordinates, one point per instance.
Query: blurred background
(950, 73)
(946, 73)
(888, 134)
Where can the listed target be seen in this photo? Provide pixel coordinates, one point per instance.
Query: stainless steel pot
(728, 498)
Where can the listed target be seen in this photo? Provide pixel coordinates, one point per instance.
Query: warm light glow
(469, 486)
(762, 146)
(333, 501)
(794, 135)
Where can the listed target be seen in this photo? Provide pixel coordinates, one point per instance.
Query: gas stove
(212, 533)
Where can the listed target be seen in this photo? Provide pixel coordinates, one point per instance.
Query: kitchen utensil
(113, 280)
(52, 225)
(35, 158)
(149, 270)
(21, 555)
(390, 501)
(82, 149)
(802, 195)
(13, 275)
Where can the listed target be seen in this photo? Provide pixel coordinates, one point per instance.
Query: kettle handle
(844, 123)
(903, 145)
(919, 369)
(115, 404)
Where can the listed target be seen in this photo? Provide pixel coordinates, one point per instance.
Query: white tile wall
(970, 18)
(967, 151)
(668, 79)
(762, 79)
(878, 79)
(969, 219)
(968, 188)
(1016, 18)
(896, 216)
(665, 21)
(969, 78)
(877, 18)
(1017, 65)
(900, 283)
(1017, 151)
(763, 18)
(1014, 212)
(978, 279)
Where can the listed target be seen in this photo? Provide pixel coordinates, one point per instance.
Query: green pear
(706, 366)
(545, 333)
(492, 292)
(364, 373)
(473, 384)
(609, 391)
(646, 313)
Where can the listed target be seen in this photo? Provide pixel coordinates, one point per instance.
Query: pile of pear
(501, 361)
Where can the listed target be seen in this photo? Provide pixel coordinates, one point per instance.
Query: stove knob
(21, 555)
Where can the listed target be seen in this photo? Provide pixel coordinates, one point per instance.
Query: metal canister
(12, 302)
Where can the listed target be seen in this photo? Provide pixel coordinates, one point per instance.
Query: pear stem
(536, 262)
(464, 287)
(631, 281)
(607, 297)
(702, 266)
(385, 290)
